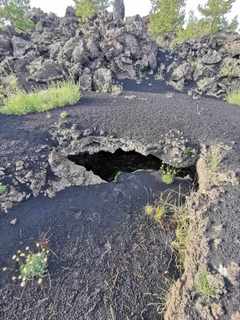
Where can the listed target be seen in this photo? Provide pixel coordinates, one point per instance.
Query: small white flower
(14, 257)
(4, 269)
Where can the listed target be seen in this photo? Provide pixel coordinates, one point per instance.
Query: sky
(133, 7)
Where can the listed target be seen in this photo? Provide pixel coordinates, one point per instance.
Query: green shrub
(157, 212)
(206, 285)
(85, 9)
(195, 29)
(14, 12)
(168, 16)
(234, 97)
(32, 265)
(181, 241)
(213, 20)
(162, 209)
(35, 266)
(3, 188)
(167, 174)
(58, 95)
(215, 11)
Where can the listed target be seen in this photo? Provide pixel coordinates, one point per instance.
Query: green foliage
(161, 209)
(167, 16)
(167, 174)
(14, 12)
(85, 9)
(157, 213)
(205, 285)
(35, 266)
(194, 29)
(32, 265)
(58, 95)
(215, 11)
(180, 243)
(3, 188)
(234, 97)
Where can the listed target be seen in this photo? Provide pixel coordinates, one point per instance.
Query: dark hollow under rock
(107, 165)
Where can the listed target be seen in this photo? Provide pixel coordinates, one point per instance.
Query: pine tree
(14, 12)
(195, 28)
(85, 9)
(215, 11)
(167, 16)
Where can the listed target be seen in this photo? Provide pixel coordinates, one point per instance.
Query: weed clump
(3, 188)
(167, 174)
(180, 243)
(157, 213)
(32, 265)
(206, 285)
(162, 209)
(57, 95)
(234, 97)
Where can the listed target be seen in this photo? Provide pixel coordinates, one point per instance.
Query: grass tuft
(3, 188)
(234, 97)
(32, 265)
(205, 285)
(35, 266)
(58, 95)
(181, 241)
(162, 209)
(167, 174)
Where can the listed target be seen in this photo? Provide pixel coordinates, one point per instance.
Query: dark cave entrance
(108, 165)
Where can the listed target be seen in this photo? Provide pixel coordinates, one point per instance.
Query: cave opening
(108, 165)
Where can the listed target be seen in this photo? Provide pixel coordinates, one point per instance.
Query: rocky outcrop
(109, 48)
(208, 66)
(92, 54)
(54, 171)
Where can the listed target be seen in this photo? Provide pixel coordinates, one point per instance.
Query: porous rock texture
(93, 53)
(207, 66)
(106, 48)
(49, 170)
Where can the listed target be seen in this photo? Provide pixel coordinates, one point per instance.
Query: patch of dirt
(108, 261)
